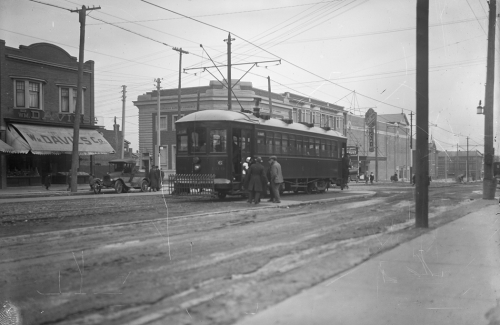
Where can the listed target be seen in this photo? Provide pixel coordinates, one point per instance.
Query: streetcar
(217, 142)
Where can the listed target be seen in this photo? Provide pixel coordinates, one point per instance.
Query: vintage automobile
(122, 176)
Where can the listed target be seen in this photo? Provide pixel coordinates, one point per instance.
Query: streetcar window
(335, 149)
(284, 144)
(299, 146)
(182, 142)
(269, 142)
(322, 148)
(291, 144)
(218, 140)
(316, 147)
(328, 148)
(199, 140)
(305, 146)
(261, 146)
(277, 143)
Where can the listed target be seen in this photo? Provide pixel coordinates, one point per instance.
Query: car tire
(221, 195)
(119, 187)
(144, 185)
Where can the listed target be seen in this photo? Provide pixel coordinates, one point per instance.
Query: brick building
(214, 96)
(392, 138)
(37, 101)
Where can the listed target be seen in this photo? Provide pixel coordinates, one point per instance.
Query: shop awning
(47, 140)
(4, 147)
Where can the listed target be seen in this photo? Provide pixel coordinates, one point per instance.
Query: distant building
(454, 163)
(392, 145)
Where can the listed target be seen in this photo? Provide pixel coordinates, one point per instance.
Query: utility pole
(445, 166)
(422, 101)
(180, 50)
(376, 148)
(158, 138)
(229, 87)
(82, 13)
(457, 163)
(467, 162)
(411, 145)
(122, 138)
(386, 153)
(270, 101)
(489, 183)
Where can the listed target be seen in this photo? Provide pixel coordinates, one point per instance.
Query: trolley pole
(122, 138)
(270, 101)
(158, 138)
(376, 147)
(229, 87)
(180, 50)
(422, 101)
(75, 162)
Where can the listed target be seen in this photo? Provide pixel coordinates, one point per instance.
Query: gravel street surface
(132, 259)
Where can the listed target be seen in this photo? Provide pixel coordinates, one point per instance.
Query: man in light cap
(276, 178)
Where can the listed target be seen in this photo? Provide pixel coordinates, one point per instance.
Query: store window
(163, 123)
(67, 99)
(28, 94)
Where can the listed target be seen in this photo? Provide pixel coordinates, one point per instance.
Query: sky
(359, 54)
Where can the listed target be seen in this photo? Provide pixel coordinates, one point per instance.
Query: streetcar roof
(235, 116)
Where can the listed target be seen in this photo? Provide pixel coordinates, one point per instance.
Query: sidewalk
(450, 275)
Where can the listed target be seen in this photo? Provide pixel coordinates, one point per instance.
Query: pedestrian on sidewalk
(153, 181)
(256, 180)
(68, 180)
(366, 177)
(48, 181)
(276, 178)
(372, 177)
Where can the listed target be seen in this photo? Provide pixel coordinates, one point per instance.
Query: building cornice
(51, 64)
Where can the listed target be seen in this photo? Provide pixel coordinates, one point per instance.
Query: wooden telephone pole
(422, 100)
(75, 159)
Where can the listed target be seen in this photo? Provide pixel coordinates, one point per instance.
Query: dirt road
(204, 269)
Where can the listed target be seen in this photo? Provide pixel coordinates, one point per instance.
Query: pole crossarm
(225, 65)
(180, 50)
(87, 9)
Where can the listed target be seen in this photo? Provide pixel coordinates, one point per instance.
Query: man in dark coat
(159, 178)
(153, 181)
(257, 180)
(346, 164)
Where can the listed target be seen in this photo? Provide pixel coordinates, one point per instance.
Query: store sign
(371, 139)
(370, 118)
(36, 114)
(352, 150)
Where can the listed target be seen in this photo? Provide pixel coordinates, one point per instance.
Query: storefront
(38, 150)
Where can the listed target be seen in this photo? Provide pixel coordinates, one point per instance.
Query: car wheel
(119, 187)
(221, 195)
(144, 186)
(97, 188)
